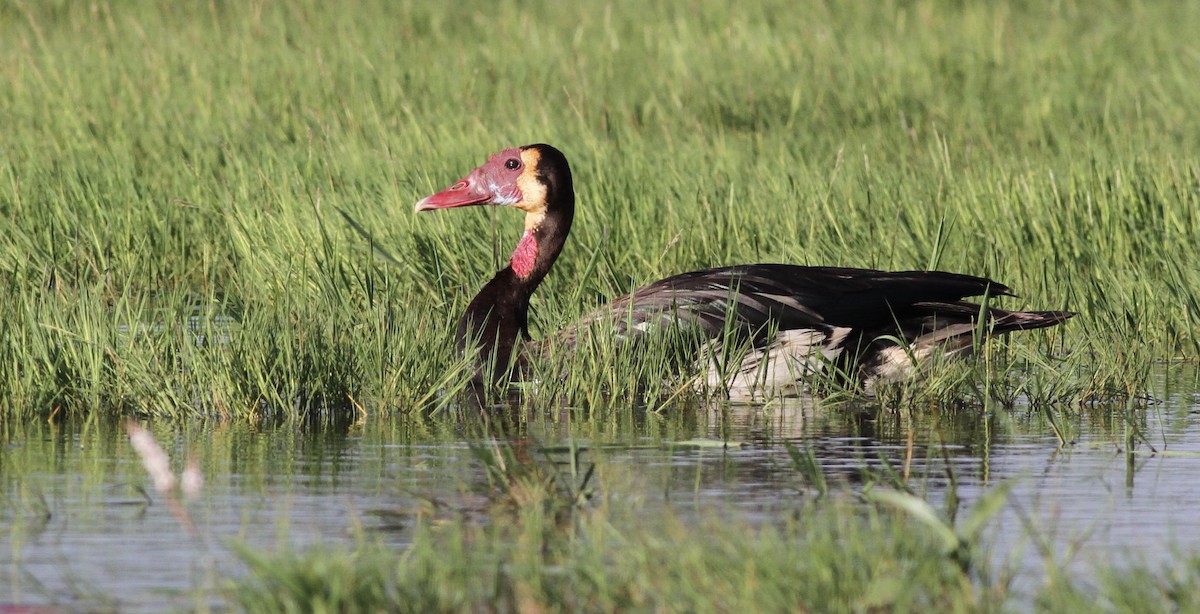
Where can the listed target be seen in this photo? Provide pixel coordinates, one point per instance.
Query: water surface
(79, 527)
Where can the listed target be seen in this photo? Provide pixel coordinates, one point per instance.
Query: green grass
(820, 562)
(855, 563)
(171, 175)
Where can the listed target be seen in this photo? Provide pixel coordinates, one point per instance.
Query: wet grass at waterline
(170, 178)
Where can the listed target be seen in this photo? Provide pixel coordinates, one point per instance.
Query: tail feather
(1007, 321)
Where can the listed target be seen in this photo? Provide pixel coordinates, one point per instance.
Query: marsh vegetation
(207, 222)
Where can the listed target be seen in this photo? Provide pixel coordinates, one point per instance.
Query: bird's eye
(512, 164)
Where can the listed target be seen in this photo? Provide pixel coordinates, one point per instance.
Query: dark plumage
(801, 318)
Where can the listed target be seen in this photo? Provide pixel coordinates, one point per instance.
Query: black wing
(755, 297)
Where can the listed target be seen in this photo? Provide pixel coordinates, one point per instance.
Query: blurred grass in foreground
(576, 539)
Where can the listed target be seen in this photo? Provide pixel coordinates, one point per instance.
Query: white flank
(779, 369)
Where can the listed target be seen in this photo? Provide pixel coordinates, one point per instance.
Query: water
(76, 530)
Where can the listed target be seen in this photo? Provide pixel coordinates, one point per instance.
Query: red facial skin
(494, 183)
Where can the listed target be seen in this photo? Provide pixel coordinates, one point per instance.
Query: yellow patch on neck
(533, 191)
(534, 219)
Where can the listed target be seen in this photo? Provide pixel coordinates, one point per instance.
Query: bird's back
(803, 317)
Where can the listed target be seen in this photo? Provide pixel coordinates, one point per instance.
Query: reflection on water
(76, 528)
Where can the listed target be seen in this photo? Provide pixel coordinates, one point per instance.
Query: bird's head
(528, 178)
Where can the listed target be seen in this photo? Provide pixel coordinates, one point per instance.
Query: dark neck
(499, 314)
